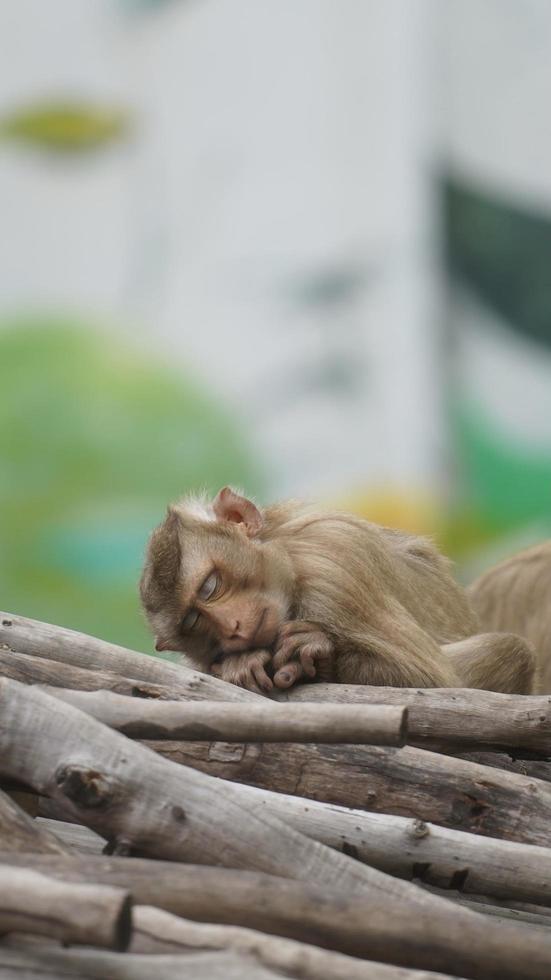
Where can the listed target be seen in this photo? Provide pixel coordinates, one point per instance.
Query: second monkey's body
(285, 593)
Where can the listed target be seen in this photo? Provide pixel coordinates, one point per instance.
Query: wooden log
(24, 798)
(271, 904)
(19, 832)
(27, 669)
(261, 902)
(503, 913)
(156, 931)
(403, 847)
(19, 960)
(182, 814)
(135, 798)
(470, 813)
(74, 837)
(89, 915)
(535, 768)
(262, 722)
(412, 849)
(408, 782)
(30, 636)
(452, 719)
(44, 963)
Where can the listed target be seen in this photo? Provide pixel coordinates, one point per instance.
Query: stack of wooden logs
(157, 822)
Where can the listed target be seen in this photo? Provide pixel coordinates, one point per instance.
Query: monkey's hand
(303, 650)
(245, 670)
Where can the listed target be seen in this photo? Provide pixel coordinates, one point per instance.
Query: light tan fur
(515, 596)
(337, 598)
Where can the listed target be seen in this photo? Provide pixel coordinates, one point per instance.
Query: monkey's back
(368, 559)
(515, 597)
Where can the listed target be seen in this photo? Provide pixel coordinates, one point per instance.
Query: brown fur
(342, 599)
(515, 596)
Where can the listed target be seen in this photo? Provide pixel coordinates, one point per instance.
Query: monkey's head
(211, 581)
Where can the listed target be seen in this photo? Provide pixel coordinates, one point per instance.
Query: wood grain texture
(449, 716)
(20, 961)
(262, 722)
(19, 832)
(293, 909)
(403, 847)
(272, 904)
(80, 650)
(413, 849)
(407, 782)
(85, 914)
(156, 931)
(179, 813)
(76, 838)
(46, 963)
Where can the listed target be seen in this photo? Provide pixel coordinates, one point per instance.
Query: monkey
(516, 595)
(267, 597)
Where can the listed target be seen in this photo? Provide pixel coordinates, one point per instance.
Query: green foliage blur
(95, 439)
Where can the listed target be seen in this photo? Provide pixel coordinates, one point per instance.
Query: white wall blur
(271, 222)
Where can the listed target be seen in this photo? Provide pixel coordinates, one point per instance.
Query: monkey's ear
(232, 507)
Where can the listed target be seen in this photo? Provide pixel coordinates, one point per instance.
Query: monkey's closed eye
(190, 620)
(209, 586)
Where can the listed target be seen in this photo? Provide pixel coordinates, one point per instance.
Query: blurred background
(300, 246)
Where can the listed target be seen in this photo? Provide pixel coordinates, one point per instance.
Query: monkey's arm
(499, 662)
(390, 650)
(245, 670)
(394, 652)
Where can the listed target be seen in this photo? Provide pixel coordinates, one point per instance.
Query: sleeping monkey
(269, 596)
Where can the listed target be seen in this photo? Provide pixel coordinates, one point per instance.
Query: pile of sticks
(157, 822)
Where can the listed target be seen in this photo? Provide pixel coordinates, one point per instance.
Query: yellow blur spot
(408, 510)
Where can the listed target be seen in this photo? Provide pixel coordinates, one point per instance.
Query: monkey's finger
(247, 682)
(264, 682)
(288, 675)
(286, 650)
(320, 649)
(307, 662)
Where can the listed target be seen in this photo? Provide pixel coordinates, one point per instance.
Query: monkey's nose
(234, 630)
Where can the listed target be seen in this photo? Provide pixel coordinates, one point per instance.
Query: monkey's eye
(209, 586)
(190, 620)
